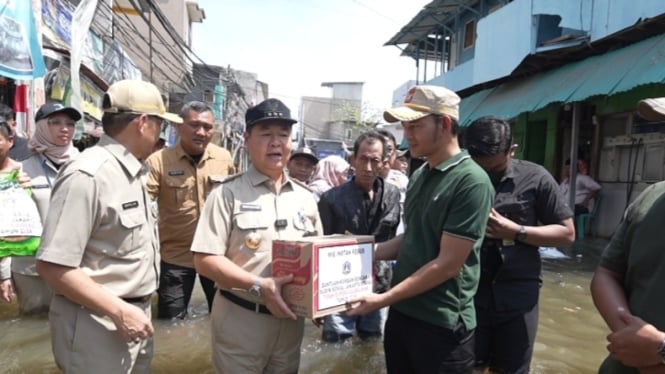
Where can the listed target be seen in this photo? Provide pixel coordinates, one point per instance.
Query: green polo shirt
(454, 198)
(636, 251)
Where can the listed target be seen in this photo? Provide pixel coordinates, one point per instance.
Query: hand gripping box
(328, 271)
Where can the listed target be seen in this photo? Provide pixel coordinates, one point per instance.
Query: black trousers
(417, 347)
(504, 340)
(175, 290)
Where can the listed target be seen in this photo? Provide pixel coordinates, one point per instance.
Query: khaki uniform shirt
(100, 220)
(247, 205)
(42, 173)
(181, 188)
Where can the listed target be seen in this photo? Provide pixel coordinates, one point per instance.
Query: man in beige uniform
(99, 248)
(181, 177)
(253, 331)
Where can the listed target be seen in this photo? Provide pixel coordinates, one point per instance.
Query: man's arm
(608, 296)
(327, 216)
(553, 235)
(388, 250)
(453, 252)
(633, 341)
(231, 276)
(155, 174)
(77, 286)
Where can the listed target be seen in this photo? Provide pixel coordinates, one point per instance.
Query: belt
(239, 301)
(137, 300)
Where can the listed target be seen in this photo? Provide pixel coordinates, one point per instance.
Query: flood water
(571, 335)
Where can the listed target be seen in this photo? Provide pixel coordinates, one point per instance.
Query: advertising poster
(20, 53)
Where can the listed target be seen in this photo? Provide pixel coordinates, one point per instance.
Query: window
(469, 34)
(207, 96)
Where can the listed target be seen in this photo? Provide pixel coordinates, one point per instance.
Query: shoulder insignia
(232, 177)
(301, 184)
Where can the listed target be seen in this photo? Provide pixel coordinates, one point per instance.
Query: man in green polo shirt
(432, 317)
(629, 282)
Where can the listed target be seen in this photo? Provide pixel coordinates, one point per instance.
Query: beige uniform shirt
(100, 220)
(247, 206)
(42, 173)
(181, 189)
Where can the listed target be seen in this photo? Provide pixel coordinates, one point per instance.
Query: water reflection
(571, 335)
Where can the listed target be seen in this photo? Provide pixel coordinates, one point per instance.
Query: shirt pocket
(516, 211)
(180, 189)
(253, 231)
(133, 224)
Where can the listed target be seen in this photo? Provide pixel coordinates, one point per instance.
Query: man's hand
(7, 292)
(271, 290)
(500, 227)
(365, 304)
(132, 323)
(637, 343)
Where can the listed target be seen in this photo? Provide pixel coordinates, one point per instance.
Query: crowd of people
(457, 270)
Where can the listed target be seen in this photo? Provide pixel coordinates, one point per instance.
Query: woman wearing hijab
(52, 147)
(330, 172)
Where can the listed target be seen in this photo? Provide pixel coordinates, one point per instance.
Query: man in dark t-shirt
(529, 211)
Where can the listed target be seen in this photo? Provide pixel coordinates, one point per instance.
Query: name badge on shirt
(130, 205)
(175, 173)
(250, 207)
(39, 186)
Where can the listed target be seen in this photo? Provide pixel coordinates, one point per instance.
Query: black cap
(49, 109)
(270, 109)
(306, 153)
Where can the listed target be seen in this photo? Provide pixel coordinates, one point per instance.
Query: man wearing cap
(180, 179)
(301, 164)
(432, 319)
(100, 248)
(51, 147)
(253, 330)
(628, 284)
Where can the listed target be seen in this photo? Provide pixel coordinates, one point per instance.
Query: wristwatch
(521, 235)
(661, 351)
(255, 290)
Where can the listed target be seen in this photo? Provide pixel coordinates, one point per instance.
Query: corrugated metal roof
(607, 74)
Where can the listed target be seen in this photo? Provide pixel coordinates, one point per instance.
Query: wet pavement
(571, 335)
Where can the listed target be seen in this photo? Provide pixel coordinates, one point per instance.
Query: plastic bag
(20, 224)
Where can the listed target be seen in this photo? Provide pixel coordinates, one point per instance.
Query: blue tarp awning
(607, 74)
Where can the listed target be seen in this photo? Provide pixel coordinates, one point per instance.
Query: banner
(20, 54)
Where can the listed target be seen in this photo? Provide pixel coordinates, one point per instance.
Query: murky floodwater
(571, 336)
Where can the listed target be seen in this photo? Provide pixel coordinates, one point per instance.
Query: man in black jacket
(366, 205)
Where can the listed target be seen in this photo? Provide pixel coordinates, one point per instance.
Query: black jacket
(348, 208)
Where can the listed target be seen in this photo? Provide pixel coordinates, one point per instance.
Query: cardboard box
(328, 271)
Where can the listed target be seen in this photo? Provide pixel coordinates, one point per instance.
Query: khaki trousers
(34, 295)
(85, 342)
(244, 341)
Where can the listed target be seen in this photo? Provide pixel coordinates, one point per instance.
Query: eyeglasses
(196, 126)
(159, 121)
(61, 122)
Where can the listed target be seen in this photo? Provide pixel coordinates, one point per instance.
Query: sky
(295, 45)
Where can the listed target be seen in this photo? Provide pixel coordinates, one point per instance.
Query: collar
(452, 162)
(180, 152)
(257, 178)
(378, 183)
(130, 163)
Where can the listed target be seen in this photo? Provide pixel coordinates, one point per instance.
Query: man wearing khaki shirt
(253, 330)
(99, 245)
(181, 177)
